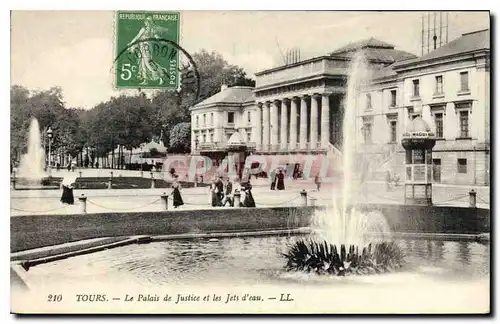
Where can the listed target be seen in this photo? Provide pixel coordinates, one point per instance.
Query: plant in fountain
(365, 234)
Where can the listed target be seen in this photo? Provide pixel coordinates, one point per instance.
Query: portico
(298, 123)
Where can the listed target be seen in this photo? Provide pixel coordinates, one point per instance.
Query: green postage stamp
(146, 49)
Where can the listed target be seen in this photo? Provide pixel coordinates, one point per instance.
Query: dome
(418, 125)
(235, 139)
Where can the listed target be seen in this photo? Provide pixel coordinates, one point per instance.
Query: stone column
(293, 123)
(314, 122)
(284, 124)
(258, 127)
(265, 126)
(218, 129)
(274, 124)
(325, 120)
(303, 123)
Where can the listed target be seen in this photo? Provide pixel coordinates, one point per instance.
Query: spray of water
(340, 223)
(31, 165)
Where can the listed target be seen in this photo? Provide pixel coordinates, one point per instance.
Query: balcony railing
(222, 146)
(292, 148)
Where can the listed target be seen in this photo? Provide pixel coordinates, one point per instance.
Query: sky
(74, 49)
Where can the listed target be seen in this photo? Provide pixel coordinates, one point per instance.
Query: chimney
(223, 87)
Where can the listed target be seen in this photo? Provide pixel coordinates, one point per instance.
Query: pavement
(35, 202)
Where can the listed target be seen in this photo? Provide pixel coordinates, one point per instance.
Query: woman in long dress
(176, 193)
(280, 185)
(67, 196)
(248, 201)
(214, 194)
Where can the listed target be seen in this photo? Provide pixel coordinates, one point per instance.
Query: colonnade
(280, 131)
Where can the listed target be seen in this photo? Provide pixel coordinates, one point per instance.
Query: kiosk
(418, 141)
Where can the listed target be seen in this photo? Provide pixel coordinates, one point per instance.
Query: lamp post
(49, 135)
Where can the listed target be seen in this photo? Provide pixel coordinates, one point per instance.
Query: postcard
(250, 162)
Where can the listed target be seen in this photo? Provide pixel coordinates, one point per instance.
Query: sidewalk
(32, 202)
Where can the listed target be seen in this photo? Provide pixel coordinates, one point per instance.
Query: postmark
(146, 57)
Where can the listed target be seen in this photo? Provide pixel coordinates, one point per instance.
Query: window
(230, 117)
(204, 138)
(368, 101)
(416, 88)
(438, 118)
(439, 84)
(197, 121)
(249, 114)
(393, 98)
(462, 165)
(464, 123)
(211, 138)
(367, 132)
(211, 119)
(394, 130)
(418, 156)
(204, 119)
(249, 136)
(464, 81)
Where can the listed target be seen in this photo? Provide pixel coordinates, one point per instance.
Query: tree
(180, 138)
(172, 107)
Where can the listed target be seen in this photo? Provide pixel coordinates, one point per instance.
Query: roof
(235, 139)
(371, 43)
(374, 50)
(469, 42)
(234, 95)
(418, 125)
(385, 72)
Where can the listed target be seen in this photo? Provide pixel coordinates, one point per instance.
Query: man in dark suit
(228, 193)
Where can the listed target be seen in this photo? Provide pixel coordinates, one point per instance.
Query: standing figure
(228, 193)
(220, 188)
(272, 176)
(176, 193)
(248, 201)
(281, 181)
(214, 197)
(148, 69)
(67, 196)
(317, 181)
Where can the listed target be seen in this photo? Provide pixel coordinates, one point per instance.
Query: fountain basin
(439, 276)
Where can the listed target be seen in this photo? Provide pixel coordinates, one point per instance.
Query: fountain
(31, 168)
(341, 224)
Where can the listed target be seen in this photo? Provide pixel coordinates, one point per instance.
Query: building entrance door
(436, 170)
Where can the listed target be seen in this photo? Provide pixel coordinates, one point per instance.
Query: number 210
(54, 298)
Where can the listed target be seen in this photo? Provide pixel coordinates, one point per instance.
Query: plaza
(40, 202)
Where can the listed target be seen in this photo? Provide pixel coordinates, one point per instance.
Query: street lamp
(49, 135)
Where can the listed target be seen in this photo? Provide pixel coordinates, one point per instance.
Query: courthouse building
(297, 109)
